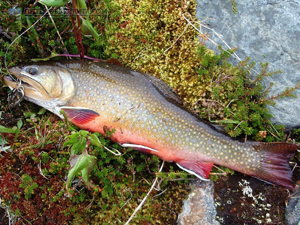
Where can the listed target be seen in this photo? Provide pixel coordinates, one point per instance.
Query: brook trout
(146, 116)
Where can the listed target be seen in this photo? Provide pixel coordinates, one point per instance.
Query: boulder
(199, 207)
(267, 31)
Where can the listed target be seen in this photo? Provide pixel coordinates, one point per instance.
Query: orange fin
(197, 168)
(275, 166)
(80, 115)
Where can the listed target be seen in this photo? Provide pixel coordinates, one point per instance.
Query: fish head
(46, 84)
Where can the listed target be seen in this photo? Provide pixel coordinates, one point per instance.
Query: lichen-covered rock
(267, 31)
(199, 207)
(292, 211)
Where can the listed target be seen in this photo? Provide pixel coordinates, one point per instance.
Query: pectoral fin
(79, 115)
(141, 148)
(197, 168)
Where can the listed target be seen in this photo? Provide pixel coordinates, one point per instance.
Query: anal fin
(80, 115)
(197, 168)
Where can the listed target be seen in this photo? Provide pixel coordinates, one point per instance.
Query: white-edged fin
(72, 107)
(192, 172)
(138, 147)
(268, 182)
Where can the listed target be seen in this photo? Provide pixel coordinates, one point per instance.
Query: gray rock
(267, 31)
(199, 207)
(292, 211)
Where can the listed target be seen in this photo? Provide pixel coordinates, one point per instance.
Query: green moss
(147, 41)
(150, 36)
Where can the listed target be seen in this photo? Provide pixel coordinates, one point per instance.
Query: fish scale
(147, 116)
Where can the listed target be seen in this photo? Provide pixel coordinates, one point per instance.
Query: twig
(117, 154)
(232, 100)
(209, 100)
(138, 56)
(212, 100)
(276, 131)
(6, 208)
(79, 30)
(294, 167)
(178, 38)
(18, 38)
(79, 34)
(145, 198)
(148, 183)
(159, 194)
(40, 169)
(212, 41)
(201, 25)
(238, 125)
(179, 179)
(224, 172)
(127, 201)
(74, 29)
(89, 205)
(61, 40)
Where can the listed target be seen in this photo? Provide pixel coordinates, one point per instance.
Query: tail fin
(275, 166)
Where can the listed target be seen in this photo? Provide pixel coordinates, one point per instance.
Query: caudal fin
(275, 166)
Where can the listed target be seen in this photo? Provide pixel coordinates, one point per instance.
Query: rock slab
(267, 31)
(292, 211)
(199, 207)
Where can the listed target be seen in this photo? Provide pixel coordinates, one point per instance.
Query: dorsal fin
(164, 89)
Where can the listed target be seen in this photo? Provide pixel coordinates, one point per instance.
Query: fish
(147, 115)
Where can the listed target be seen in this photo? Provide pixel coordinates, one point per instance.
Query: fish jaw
(32, 88)
(48, 85)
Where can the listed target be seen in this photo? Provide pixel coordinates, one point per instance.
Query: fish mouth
(18, 78)
(13, 82)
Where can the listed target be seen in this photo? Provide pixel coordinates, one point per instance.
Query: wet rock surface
(266, 31)
(199, 207)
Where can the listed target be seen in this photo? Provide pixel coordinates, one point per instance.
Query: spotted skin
(129, 103)
(145, 112)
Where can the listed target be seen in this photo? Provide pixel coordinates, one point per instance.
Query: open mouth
(17, 82)
(11, 78)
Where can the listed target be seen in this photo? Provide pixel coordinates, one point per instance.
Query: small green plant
(77, 141)
(45, 157)
(234, 10)
(234, 100)
(28, 185)
(83, 163)
(84, 26)
(15, 130)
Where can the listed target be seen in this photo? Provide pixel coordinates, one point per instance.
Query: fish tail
(275, 166)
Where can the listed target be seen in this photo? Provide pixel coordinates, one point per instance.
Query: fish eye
(32, 70)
